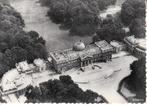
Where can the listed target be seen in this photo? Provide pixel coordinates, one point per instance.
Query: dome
(79, 46)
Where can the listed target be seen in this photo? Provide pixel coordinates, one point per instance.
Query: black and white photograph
(73, 51)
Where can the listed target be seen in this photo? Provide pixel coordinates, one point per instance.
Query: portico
(86, 61)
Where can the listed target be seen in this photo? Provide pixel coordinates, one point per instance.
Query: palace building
(81, 55)
(136, 46)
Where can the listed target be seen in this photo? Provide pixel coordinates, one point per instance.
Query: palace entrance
(86, 61)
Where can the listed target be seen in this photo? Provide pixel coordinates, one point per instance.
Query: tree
(30, 56)
(16, 45)
(19, 54)
(3, 69)
(35, 37)
(3, 66)
(81, 17)
(66, 79)
(136, 81)
(104, 3)
(9, 58)
(137, 27)
(85, 18)
(33, 34)
(110, 29)
(3, 46)
(132, 9)
(63, 90)
(22, 40)
(32, 93)
(41, 40)
(14, 55)
(40, 51)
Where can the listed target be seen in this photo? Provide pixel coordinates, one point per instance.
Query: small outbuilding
(40, 63)
(24, 67)
(118, 46)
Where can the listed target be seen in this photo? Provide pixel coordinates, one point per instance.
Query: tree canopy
(61, 91)
(133, 15)
(111, 28)
(132, 9)
(17, 45)
(138, 75)
(137, 80)
(81, 17)
(137, 27)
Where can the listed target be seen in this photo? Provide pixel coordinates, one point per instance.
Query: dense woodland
(111, 28)
(81, 17)
(132, 15)
(62, 90)
(15, 44)
(136, 81)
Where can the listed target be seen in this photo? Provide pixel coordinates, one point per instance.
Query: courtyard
(102, 78)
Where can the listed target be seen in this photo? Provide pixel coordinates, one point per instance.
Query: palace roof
(104, 46)
(89, 51)
(138, 42)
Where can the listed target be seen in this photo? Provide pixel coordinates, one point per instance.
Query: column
(81, 64)
(87, 62)
(90, 61)
(84, 63)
